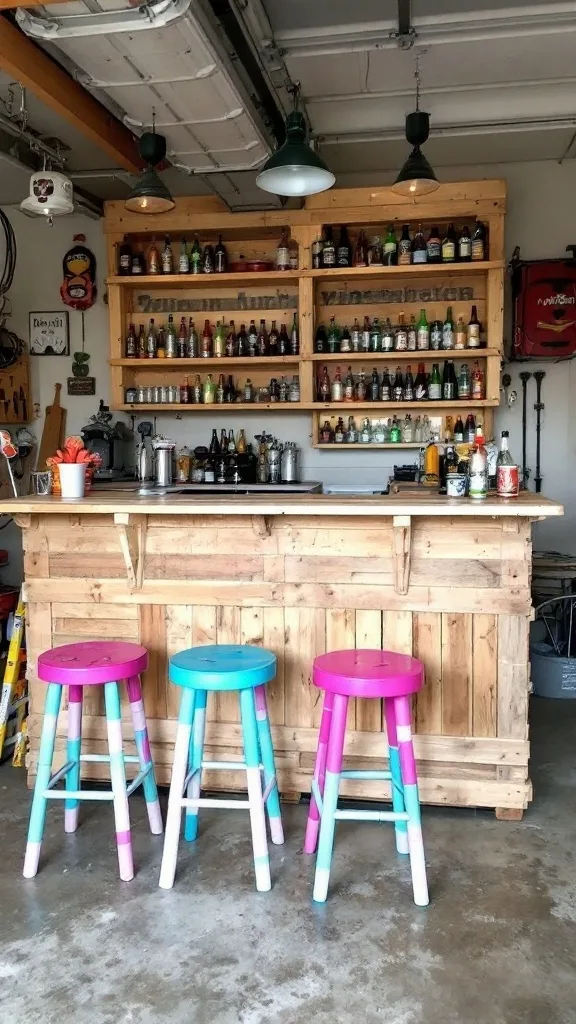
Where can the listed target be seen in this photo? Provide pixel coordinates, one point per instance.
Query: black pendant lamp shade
(150, 194)
(416, 177)
(295, 169)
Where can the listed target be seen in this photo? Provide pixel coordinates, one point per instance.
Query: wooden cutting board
(53, 432)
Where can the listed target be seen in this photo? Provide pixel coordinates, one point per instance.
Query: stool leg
(254, 780)
(400, 827)
(313, 823)
(39, 801)
(179, 769)
(73, 754)
(195, 761)
(267, 752)
(118, 777)
(330, 800)
(144, 755)
(411, 799)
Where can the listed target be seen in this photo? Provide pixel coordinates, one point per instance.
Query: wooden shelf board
(383, 406)
(204, 280)
(360, 446)
(216, 407)
(424, 269)
(415, 357)
(199, 362)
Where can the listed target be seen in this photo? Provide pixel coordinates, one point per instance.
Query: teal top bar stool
(216, 668)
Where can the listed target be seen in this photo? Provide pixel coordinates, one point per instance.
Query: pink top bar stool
(393, 678)
(94, 663)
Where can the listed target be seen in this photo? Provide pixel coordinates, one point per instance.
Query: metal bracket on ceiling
(405, 36)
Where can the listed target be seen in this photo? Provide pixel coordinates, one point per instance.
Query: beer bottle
(473, 332)
(326, 433)
(167, 258)
(412, 334)
(206, 341)
(273, 340)
(337, 389)
(153, 259)
(196, 257)
(283, 342)
(220, 257)
(464, 246)
(375, 336)
(374, 386)
(436, 334)
(479, 247)
(448, 330)
(390, 247)
(219, 340)
(398, 386)
(449, 245)
(197, 390)
(231, 446)
(420, 384)
(460, 334)
(138, 261)
(214, 448)
(339, 431)
(409, 385)
(185, 391)
(182, 338)
(345, 340)
(423, 333)
(183, 259)
(361, 390)
(356, 336)
(449, 383)
(464, 385)
(333, 337)
(320, 341)
(459, 431)
(141, 347)
(252, 339)
(125, 257)
(223, 442)
(283, 252)
(405, 247)
(324, 386)
(401, 335)
(419, 248)
(344, 250)
(192, 346)
(220, 388)
(151, 340)
(328, 249)
(241, 444)
(131, 346)
(385, 388)
(352, 432)
(365, 337)
(349, 386)
(208, 260)
(231, 341)
(294, 337)
(435, 384)
(262, 343)
(230, 390)
(434, 246)
(470, 429)
(478, 383)
(361, 251)
(242, 341)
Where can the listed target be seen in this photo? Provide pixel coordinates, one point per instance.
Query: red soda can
(507, 481)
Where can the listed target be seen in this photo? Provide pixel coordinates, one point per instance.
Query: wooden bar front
(446, 581)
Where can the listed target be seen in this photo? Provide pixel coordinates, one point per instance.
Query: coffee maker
(111, 442)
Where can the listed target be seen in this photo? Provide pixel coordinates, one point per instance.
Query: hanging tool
(10, 452)
(52, 434)
(524, 377)
(538, 377)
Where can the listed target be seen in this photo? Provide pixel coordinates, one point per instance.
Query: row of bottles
(416, 336)
(404, 387)
(389, 249)
(207, 391)
(395, 430)
(231, 459)
(162, 342)
(192, 258)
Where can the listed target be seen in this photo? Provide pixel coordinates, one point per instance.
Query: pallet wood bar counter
(446, 580)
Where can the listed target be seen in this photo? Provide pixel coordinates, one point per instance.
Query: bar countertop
(527, 504)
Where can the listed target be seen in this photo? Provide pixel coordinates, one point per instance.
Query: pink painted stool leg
(73, 754)
(411, 800)
(144, 755)
(330, 799)
(400, 827)
(313, 823)
(118, 777)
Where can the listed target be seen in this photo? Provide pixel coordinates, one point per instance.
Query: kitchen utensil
(41, 481)
(164, 470)
(290, 463)
(53, 432)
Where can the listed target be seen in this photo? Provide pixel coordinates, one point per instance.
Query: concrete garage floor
(496, 946)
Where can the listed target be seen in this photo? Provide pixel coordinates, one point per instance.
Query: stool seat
(368, 673)
(92, 663)
(222, 667)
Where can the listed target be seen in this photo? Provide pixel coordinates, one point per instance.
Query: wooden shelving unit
(315, 295)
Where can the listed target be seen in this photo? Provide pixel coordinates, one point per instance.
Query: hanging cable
(7, 272)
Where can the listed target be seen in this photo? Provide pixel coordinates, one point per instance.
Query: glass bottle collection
(208, 391)
(397, 430)
(433, 386)
(192, 258)
(390, 249)
(415, 336)
(166, 342)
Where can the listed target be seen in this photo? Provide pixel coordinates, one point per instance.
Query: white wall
(541, 219)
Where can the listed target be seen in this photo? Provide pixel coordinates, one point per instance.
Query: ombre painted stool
(94, 663)
(217, 668)
(366, 673)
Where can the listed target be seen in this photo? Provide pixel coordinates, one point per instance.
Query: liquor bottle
(339, 431)
(283, 252)
(448, 330)
(273, 340)
(449, 245)
(436, 335)
(401, 335)
(337, 388)
(125, 258)
(206, 341)
(153, 259)
(419, 248)
(405, 247)
(361, 389)
(293, 260)
(412, 335)
(160, 344)
(349, 386)
(333, 337)
(131, 344)
(328, 249)
(231, 348)
(209, 473)
(214, 447)
(294, 336)
(283, 341)
(171, 339)
(167, 257)
(479, 248)
(220, 257)
(470, 429)
(151, 340)
(351, 431)
(283, 390)
(365, 431)
(208, 260)
(192, 346)
(242, 341)
(344, 250)
(460, 334)
(223, 442)
(435, 384)
(345, 340)
(248, 391)
(219, 340)
(506, 470)
(196, 257)
(464, 383)
(356, 336)
(386, 388)
(398, 386)
(324, 386)
(197, 390)
(321, 341)
(423, 333)
(374, 386)
(387, 336)
(464, 246)
(449, 383)
(230, 390)
(420, 384)
(473, 332)
(375, 336)
(478, 468)
(317, 247)
(390, 248)
(326, 433)
(376, 252)
(365, 337)
(262, 343)
(241, 444)
(459, 431)
(478, 383)
(252, 339)
(450, 461)
(409, 385)
(395, 432)
(434, 246)
(185, 393)
(183, 259)
(294, 389)
(209, 391)
(182, 338)
(138, 261)
(361, 251)
(141, 349)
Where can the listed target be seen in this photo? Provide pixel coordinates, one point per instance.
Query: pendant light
(416, 177)
(150, 194)
(295, 169)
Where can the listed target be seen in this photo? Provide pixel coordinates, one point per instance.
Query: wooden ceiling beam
(10, 5)
(25, 62)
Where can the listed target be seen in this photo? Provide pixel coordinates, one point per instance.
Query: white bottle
(478, 468)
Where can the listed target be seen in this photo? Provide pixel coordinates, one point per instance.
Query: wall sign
(402, 295)
(215, 304)
(49, 334)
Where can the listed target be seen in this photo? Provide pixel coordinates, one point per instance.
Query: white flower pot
(72, 479)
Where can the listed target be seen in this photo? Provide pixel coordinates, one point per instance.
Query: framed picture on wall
(49, 334)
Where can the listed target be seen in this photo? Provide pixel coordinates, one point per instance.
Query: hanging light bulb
(295, 169)
(416, 177)
(150, 194)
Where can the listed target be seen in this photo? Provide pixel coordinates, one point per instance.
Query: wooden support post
(131, 531)
(509, 813)
(402, 529)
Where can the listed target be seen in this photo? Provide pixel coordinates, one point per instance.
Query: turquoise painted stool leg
(313, 823)
(400, 827)
(330, 800)
(412, 801)
(179, 772)
(255, 795)
(118, 777)
(195, 763)
(134, 688)
(267, 753)
(73, 754)
(39, 801)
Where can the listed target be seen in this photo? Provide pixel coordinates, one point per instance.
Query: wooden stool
(217, 668)
(365, 673)
(95, 663)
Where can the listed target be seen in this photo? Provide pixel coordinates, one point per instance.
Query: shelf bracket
(402, 547)
(132, 536)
